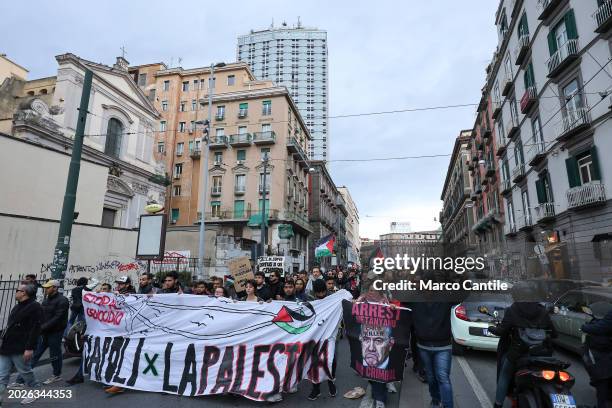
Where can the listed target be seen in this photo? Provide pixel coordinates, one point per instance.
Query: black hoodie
(431, 322)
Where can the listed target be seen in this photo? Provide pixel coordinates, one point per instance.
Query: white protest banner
(268, 264)
(199, 345)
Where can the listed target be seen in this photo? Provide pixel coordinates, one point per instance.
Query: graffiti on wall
(105, 271)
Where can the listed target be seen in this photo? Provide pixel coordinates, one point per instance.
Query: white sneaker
(52, 380)
(391, 387)
(293, 389)
(275, 398)
(15, 385)
(379, 404)
(28, 400)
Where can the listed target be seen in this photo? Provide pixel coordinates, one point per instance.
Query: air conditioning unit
(172, 221)
(218, 162)
(239, 161)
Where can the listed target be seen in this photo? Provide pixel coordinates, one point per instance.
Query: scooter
(540, 380)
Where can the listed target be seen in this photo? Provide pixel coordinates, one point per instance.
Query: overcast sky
(383, 55)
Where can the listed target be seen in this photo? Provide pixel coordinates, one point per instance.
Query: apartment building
(327, 215)
(549, 85)
(9, 69)
(415, 244)
(352, 226)
(457, 215)
(252, 120)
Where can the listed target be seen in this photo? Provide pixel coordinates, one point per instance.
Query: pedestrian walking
(20, 338)
(77, 312)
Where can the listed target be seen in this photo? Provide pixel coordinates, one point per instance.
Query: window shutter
(552, 42)
(244, 106)
(572, 172)
(596, 174)
(570, 25)
(540, 191)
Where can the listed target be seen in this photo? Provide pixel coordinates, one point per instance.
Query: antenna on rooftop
(299, 24)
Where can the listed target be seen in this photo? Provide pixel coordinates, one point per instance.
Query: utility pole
(62, 247)
(263, 204)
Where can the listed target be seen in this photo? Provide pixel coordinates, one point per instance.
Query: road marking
(367, 401)
(481, 395)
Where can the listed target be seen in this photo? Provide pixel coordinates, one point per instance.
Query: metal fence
(8, 286)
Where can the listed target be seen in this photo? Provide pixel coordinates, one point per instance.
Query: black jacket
(264, 292)
(55, 314)
(77, 300)
(431, 322)
(23, 327)
(599, 333)
(275, 289)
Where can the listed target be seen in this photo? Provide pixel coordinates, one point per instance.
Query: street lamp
(204, 170)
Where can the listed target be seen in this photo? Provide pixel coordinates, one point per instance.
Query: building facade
(549, 86)
(252, 120)
(457, 215)
(118, 130)
(295, 57)
(10, 69)
(414, 244)
(327, 215)
(353, 242)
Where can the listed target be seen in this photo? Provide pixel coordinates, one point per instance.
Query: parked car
(552, 289)
(568, 315)
(470, 327)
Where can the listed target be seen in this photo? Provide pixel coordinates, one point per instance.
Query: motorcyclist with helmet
(528, 315)
(598, 356)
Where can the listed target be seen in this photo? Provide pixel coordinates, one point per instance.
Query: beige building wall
(33, 179)
(9, 69)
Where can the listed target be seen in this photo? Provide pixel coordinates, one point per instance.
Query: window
(543, 188)
(185, 86)
(518, 154)
(178, 170)
(241, 155)
(511, 220)
(220, 112)
(242, 130)
(266, 108)
(176, 191)
(240, 183)
(162, 126)
(265, 152)
(231, 79)
(220, 132)
(194, 105)
(108, 217)
(160, 147)
(261, 203)
(266, 127)
(175, 215)
(243, 110)
(196, 84)
(114, 132)
(536, 132)
(142, 79)
(216, 183)
(166, 85)
(181, 126)
(180, 147)
(526, 209)
(216, 208)
(559, 36)
(238, 208)
(218, 157)
(523, 28)
(573, 99)
(182, 106)
(164, 106)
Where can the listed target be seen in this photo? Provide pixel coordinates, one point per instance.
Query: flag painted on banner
(199, 345)
(379, 337)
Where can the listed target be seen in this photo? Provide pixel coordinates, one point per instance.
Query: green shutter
(268, 102)
(240, 154)
(572, 172)
(244, 105)
(570, 25)
(596, 174)
(238, 208)
(523, 27)
(175, 214)
(552, 42)
(540, 191)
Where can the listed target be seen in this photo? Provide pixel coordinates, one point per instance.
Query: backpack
(532, 341)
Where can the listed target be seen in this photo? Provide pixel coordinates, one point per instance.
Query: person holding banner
(289, 291)
(251, 295)
(300, 290)
(314, 275)
(262, 288)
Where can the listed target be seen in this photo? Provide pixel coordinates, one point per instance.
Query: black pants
(602, 388)
(317, 387)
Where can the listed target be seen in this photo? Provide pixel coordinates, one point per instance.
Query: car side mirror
(587, 310)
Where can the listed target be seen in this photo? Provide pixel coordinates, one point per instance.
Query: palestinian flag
(377, 253)
(325, 246)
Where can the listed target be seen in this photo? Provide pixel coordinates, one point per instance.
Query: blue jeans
(437, 366)
(503, 381)
(53, 341)
(379, 391)
(7, 362)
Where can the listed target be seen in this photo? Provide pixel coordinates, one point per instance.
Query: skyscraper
(295, 57)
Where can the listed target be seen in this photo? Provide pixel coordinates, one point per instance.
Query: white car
(470, 327)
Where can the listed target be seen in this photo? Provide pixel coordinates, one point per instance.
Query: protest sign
(199, 345)
(378, 337)
(269, 264)
(241, 271)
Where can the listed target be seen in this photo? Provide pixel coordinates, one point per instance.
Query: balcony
(525, 223)
(261, 138)
(537, 153)
(509, 229)
(545, 212)
(502, 142)
(522, 49)
(490, 169)
(547, 7)
(497, 108)
(564, 56)
(587, 195)
(603, 17)
(218, 142)
(240, 140)
(513, 127)
(243, 113)
(529, 98)
(215, 191)
(507, 84)
(220, 116)
(195, 153)
(506, 186)
(261, 188)
(294, 147)
(518, 173)
(486, 133)
(239, 190)
(574, 121)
